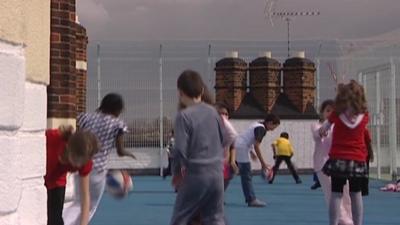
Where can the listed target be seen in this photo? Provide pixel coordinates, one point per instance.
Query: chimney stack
(231, 80)
(298, 81)
(265, 80)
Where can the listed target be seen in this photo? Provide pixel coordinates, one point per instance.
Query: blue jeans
(247, 185)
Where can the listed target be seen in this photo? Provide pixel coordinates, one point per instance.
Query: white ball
(118, 183)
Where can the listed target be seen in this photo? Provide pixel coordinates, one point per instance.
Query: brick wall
(66, 92)
(231, 81)
(265, 81)
(298, 82)
(81, 68)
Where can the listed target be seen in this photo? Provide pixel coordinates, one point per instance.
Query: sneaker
(298, 182)
(256, 203)
(315, 186)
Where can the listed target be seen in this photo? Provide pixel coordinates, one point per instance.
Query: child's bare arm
(273, 150)
(121, 149)
(323, 130)
(232, 160)
(370, 152)
(85, 200)
(259, 155)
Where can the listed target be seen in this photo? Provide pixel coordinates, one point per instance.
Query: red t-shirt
(56, 172)
(349, 143)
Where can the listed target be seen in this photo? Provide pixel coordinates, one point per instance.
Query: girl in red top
(67, 152)
(348, 154)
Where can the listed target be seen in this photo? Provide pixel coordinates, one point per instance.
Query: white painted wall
(299, 132)
(299, 135)
(22, 141)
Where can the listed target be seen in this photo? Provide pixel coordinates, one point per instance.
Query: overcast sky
(234, 19)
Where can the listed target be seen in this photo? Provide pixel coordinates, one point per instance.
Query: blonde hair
(81, 147)
(351, 96)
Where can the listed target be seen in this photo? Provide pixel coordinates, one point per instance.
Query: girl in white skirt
(109, 129)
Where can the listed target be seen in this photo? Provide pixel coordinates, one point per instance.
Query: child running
(321, 156)
(283, 151)
(109, 129)
(348, 154)
(198, 156)
(244, 144)
(67, 152)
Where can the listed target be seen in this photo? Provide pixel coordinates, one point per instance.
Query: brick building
(68, 67)
(264, 86)
(24, 74)
(34, 33)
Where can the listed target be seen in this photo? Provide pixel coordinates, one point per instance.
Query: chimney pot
(232, 54)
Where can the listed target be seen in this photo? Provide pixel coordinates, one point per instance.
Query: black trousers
(289, 164)
(55, 204)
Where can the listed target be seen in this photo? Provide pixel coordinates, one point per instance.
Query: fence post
(209, 66)
(317, 84)
(378, 124)
(393, 121)
(98, 75)
(161, 113)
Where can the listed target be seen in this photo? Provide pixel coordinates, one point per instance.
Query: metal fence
(145, 74)
(383, 97)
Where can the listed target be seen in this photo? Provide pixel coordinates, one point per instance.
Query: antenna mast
(288, 16)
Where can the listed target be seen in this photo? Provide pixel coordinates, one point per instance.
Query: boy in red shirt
(67, 152)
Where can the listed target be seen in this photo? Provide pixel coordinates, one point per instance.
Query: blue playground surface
(152, 201)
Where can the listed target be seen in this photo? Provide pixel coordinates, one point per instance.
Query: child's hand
(235, 168)
(266, 166)
(323, 132)
(131, 155)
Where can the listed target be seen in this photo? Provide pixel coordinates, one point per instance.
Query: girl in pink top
(230, 167)
(321, 156)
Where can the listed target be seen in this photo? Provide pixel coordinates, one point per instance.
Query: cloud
(233, 19)
(93, 15)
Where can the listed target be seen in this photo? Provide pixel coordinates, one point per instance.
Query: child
(348, 154)
(109, 130)
(321, 156)
(230, 166)
(67, 152)
(283, 151)
(198, 155)
(167, 171)
(252, 137)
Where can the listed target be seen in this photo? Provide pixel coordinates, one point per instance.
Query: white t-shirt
(244, 143)
(322, 146)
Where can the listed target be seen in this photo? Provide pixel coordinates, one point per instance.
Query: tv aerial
(288, 16)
